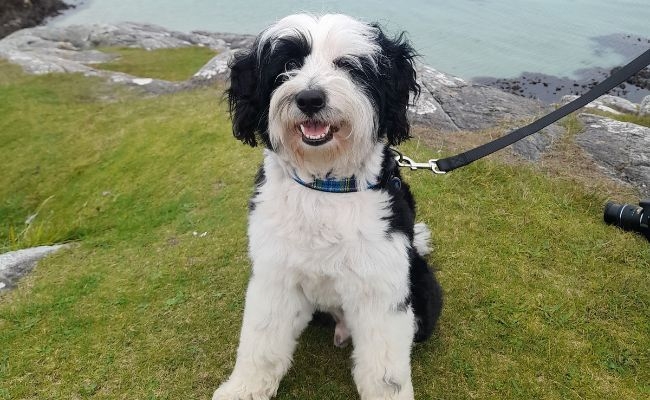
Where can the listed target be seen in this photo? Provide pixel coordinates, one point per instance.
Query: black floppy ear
(399, 79)
(244, 100)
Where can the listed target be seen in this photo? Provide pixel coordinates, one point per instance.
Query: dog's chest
(318, 240)
(318, 223)
(313, 230)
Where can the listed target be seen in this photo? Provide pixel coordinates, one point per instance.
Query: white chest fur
(327, 243)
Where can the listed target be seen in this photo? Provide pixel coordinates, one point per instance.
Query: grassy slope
(167, 64)
(542, 299)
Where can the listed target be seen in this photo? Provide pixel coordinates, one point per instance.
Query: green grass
(167, 64)
(542, 299)
(635, 119)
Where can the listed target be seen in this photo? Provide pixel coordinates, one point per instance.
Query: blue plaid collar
(332, 185)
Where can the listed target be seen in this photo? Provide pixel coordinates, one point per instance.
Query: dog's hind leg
(426, 296)
(274, 317)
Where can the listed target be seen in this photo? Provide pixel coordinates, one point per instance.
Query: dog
(331, 222)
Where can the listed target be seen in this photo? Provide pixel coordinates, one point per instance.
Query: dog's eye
(340, 62)
(291, 65)
(343, 63)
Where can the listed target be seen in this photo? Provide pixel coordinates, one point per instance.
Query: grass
(635, 119)
(542, 299)
(167, 64)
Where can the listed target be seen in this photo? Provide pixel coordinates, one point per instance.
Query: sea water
(468, 38)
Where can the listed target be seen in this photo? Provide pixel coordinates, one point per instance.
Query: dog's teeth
(305, 129)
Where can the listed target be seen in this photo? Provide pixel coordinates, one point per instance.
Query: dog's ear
(399, 79)
(244, 100)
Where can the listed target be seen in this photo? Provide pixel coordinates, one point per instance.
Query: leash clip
(404, 161)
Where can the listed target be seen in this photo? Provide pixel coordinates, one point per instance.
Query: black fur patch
(389, 80)
(426, 296)
(253, 77)
(402, 204)
(260, 179)
(404, 305)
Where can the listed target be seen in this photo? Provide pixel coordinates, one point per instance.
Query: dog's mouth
(316, 133)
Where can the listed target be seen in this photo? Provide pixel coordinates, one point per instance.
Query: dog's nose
(310, 101)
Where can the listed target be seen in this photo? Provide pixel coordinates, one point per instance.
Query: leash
(444, 165)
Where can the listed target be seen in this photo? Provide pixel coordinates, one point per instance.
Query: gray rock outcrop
(622, 149)
(533, 147)
(15, 264)
(607, 103)
(644, 108)
(448, 103)
(48, 49)
(215, 70)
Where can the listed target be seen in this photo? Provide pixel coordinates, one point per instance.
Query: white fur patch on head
(330, 36)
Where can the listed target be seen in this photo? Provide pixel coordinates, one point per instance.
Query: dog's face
(322, 91)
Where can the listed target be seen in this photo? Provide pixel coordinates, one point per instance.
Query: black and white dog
(331, 224)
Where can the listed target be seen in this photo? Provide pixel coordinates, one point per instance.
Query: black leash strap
(620, 76)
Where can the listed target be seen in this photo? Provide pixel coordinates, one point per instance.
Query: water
(468, 38)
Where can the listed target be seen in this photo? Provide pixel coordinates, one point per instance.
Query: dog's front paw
(238, 391)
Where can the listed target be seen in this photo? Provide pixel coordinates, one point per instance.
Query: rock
(618, 104)
(127, 34)
(594, 105)
(49, 49)
(607, 103)
(16, 264)
(622, 149)
(19, 14)
(151, 86)
(427, 110)
(232, 40)
(44, 50)
(641, 79)
(215, 69)
(448, 103)
(534, 146)
(644, 108)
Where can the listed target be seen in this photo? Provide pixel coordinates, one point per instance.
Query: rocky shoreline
(447, 104)
(19, 14)
(550, 88)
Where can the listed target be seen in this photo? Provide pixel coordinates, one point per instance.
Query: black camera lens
(629, 217)
(625, 216)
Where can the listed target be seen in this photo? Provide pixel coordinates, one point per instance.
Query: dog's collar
(332, 185)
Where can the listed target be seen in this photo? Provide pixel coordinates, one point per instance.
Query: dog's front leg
(274, 317)
(382, 338)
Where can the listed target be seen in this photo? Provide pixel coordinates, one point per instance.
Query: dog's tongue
(314, 129)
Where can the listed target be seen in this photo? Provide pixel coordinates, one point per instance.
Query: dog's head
(322, 91)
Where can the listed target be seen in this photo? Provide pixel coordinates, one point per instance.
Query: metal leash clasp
(404, 161)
